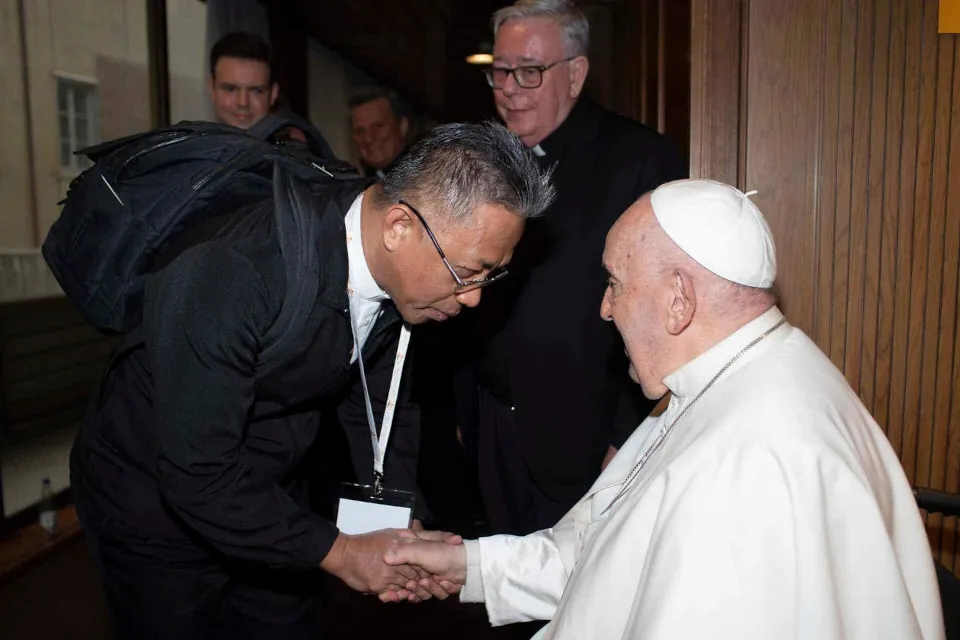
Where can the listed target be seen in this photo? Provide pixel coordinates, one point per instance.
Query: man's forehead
(627, 236)
(242, 68)
(613, 254)
(483, 238)
(528, 39)
(636, 219)
(376, 109)
(521, 60)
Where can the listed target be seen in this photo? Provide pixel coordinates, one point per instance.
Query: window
(79, 114)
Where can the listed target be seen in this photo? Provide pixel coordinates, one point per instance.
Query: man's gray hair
(575, 26)
(458, 167)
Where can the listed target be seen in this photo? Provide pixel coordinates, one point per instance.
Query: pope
(764, 502)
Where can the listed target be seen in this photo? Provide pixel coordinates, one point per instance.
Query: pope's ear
(683, 303)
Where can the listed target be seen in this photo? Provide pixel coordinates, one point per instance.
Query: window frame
(74, 84)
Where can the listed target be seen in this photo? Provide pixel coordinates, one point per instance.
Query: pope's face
(635, 295)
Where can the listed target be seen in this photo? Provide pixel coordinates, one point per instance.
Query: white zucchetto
(720, 228)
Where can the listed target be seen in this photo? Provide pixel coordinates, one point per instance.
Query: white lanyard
(380, 444)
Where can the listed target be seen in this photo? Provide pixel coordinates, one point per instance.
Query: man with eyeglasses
(545, 397)
(189, 471)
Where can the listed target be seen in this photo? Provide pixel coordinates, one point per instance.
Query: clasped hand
(400, 564)
(438, 557)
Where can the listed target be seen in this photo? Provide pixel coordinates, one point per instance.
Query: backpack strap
(274, 123)
(296, 222)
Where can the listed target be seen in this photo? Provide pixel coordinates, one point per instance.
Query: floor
(26, 462)
(59, 599)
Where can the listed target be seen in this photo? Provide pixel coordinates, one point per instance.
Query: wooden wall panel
(946, 465)
(639, 62)
(905, 203)
(781, 161)
(890, 203)
(715, 82)
(845, 115)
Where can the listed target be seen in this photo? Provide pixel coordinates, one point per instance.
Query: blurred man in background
(244, 93)
(380, 126)
(241, 85)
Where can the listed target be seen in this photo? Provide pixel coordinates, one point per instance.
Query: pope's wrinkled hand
(437, 553)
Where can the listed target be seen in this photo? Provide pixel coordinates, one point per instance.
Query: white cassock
(776, 508)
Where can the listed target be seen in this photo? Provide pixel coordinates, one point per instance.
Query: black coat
(190, 441)
(542, 344)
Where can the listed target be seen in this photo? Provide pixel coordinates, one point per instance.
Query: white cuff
(473, 588)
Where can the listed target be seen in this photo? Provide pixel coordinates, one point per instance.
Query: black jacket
(190, 440)
(542, 344)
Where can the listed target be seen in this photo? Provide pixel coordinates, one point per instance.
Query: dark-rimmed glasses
(462, 285)
(526, 76)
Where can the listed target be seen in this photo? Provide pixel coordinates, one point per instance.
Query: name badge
(363, 509)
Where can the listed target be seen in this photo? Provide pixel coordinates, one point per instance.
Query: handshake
(400, 564)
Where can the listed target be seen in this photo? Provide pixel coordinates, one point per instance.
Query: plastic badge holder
(362, 509)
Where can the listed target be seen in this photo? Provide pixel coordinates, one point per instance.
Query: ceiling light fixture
(480, 58)
(483, 54)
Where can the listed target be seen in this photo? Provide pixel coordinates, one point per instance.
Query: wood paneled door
(845, 115)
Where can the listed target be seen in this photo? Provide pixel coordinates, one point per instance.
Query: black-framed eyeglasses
(526, 76)
(462, 285)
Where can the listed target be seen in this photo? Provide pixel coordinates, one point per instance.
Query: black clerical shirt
(540, 343)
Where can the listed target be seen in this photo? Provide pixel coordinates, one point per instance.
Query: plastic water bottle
(48, 509)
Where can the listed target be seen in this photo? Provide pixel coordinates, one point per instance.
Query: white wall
(16, 223)
(187, 53)
(103, 40)
(329, 92)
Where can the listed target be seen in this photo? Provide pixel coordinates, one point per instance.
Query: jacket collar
(333, 202)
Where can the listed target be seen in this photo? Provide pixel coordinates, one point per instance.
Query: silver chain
(667, 429)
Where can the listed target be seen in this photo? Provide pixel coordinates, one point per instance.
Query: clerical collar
(359, 279)
(694, 376)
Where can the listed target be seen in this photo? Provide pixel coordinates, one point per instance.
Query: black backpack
(144, 190)
(280, 121)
